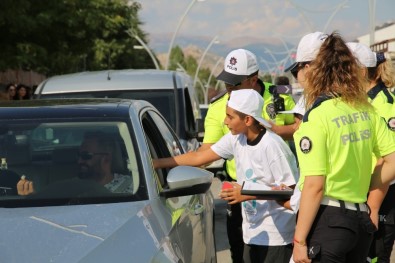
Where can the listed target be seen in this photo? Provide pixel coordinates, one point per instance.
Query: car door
(187, 212)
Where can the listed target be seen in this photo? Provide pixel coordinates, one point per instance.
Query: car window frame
(158, 145)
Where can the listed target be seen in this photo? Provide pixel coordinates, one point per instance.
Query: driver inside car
(95, 158)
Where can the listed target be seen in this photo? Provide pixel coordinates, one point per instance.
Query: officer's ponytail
(335, 72)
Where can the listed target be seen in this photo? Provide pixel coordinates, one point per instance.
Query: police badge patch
(305, 144)
(271, 111)
(391, 123)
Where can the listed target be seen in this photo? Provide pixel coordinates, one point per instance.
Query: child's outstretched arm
(191, 159)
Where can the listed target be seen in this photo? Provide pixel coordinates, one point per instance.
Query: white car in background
(171, 92)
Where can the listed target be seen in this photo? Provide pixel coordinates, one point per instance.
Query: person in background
(240, 72)
(281, 80)
(381, 76)
(22, 92)
(262, 158)
(10, 91)
(339, 132)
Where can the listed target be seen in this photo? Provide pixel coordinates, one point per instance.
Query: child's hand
(231, 192)
(226, 188)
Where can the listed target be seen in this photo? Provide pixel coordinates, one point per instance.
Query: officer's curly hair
(335, 72)
(383, 72)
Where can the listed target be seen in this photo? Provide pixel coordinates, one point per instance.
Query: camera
(278, 101)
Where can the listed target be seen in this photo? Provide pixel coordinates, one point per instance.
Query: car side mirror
(187, 180)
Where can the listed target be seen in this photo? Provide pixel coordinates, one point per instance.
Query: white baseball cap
(250, 102)
(363, 54)
(308, 48)
(239, 64)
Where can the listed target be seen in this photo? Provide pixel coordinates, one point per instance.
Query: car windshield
(73, 161)
(163, 100)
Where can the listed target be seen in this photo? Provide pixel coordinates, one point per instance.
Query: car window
(191, 124)
(167, 134)
(163, 100)
(68, 159)
(161, 139)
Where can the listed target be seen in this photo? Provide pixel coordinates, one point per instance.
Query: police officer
(335, 141)
(240, 72)
(382, 76)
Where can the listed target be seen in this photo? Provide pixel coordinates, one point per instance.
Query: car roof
(105, 80)
(69, 108)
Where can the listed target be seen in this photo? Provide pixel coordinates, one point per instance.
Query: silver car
(53, 210)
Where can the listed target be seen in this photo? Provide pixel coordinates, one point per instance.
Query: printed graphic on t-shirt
(250, 206)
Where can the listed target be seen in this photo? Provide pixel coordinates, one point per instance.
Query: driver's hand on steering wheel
(24, 187)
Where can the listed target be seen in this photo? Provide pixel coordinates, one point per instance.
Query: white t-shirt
(295, 199)
(268, 162)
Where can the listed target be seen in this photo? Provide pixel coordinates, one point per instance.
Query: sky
(277, 20)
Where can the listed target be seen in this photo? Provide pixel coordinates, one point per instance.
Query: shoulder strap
(316, 103)
(372, 93)
(220, 95)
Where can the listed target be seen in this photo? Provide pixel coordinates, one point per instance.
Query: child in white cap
(262, 158)
(241, 71)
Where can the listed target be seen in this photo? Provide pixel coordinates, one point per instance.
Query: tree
(57, 37)
(189, 64)
(177, 57)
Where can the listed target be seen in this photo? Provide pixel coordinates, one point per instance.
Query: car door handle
(198, 209)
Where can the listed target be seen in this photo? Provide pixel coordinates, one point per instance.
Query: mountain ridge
(271, 54)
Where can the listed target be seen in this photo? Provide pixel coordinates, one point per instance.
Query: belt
(348, 205)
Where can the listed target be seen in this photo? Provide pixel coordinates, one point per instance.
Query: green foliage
(176, 56)
(57, 37)
(189, 64)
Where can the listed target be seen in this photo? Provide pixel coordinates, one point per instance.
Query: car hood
(121, 232)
